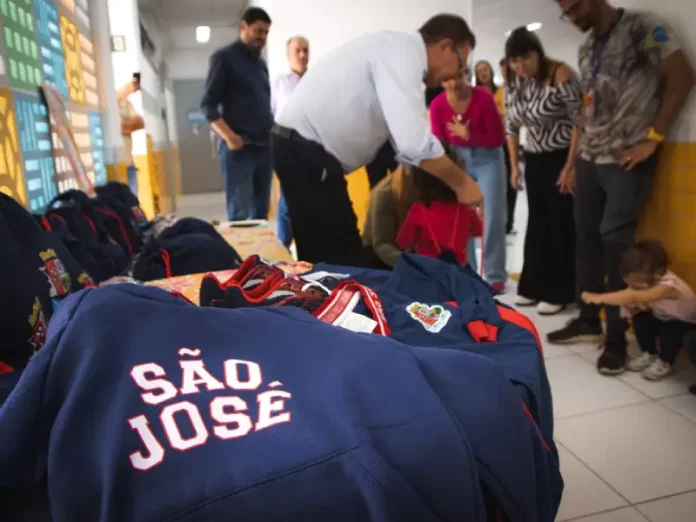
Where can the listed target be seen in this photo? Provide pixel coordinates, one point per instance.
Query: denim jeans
(487, 167)
(247, 176)
(284, 226)
(132, 173)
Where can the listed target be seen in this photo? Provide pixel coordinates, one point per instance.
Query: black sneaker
(612, 362)
(576, 331)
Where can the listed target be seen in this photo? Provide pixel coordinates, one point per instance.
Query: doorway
(200, 170)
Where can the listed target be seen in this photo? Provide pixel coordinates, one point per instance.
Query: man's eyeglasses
(565, 15)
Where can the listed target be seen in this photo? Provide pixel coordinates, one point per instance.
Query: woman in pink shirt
(467, 119)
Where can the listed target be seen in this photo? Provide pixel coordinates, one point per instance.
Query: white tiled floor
(627, 446)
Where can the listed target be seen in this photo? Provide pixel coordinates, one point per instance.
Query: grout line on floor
(636, 388)
(665, 497)
(628, 502)
(687, 394)
(604, 410)
(613, 510)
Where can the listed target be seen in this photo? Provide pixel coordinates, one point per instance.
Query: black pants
(671, 334)
(608, 203)
(384, 162)
(321, 213)
(549, 247)
(511, 193)
(690, 344)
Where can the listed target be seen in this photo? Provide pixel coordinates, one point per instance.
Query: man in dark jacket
(237, 103)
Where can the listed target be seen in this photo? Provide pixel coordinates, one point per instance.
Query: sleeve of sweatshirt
(27, 416)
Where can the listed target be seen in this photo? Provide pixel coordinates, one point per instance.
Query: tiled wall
(46, 41)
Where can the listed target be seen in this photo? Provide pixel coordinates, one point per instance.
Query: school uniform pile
(110, 237)
(80, 242)
(343, 395)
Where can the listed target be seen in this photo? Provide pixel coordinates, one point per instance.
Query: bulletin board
(46, 41)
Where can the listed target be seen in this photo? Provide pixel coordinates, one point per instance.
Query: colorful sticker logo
(55, 272)
(660, 34)
(85, 280)
(37, 322)
(433, 318)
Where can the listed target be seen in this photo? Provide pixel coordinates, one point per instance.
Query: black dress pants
(511, 194)
(316, 192)
(548, 273)
(383, 163)
(608, 203)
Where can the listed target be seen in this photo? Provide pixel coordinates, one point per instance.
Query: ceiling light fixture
(203, 34)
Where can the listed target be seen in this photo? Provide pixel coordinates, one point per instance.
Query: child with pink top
(662, 305)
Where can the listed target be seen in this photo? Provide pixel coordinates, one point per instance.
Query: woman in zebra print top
(545, 97)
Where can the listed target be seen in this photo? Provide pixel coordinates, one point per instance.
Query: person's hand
(469, 193)
(634, 310)
(566, 181)
(629, 158)
(459, 129)
(515, 177)
(591, 298)
(234, 142)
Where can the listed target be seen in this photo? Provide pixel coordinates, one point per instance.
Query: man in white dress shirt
(346, 107)
(284, 84)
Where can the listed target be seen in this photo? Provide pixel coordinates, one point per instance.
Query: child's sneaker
(657, 370)
(641, 362)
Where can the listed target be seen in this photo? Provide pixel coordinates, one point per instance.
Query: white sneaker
(657, 370)
(641, 362)
(549, 309)
(521, 300)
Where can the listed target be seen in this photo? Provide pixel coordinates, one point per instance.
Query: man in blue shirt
(237, 103)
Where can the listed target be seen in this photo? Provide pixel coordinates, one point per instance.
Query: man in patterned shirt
(636, 80)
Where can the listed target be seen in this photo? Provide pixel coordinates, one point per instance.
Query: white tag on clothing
(356, 323)
(316, 276)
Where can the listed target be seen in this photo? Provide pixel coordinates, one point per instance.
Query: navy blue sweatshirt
(237, 89)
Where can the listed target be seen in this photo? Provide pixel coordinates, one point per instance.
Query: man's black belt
(292, 135)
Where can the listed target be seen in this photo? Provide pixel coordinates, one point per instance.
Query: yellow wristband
(653, 135)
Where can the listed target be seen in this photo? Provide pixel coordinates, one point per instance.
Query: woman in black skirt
(546, 98)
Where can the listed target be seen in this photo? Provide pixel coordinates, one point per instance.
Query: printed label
(433, 318)
(357, 323)
(239, 401)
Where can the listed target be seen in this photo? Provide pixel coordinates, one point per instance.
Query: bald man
(284, 84)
